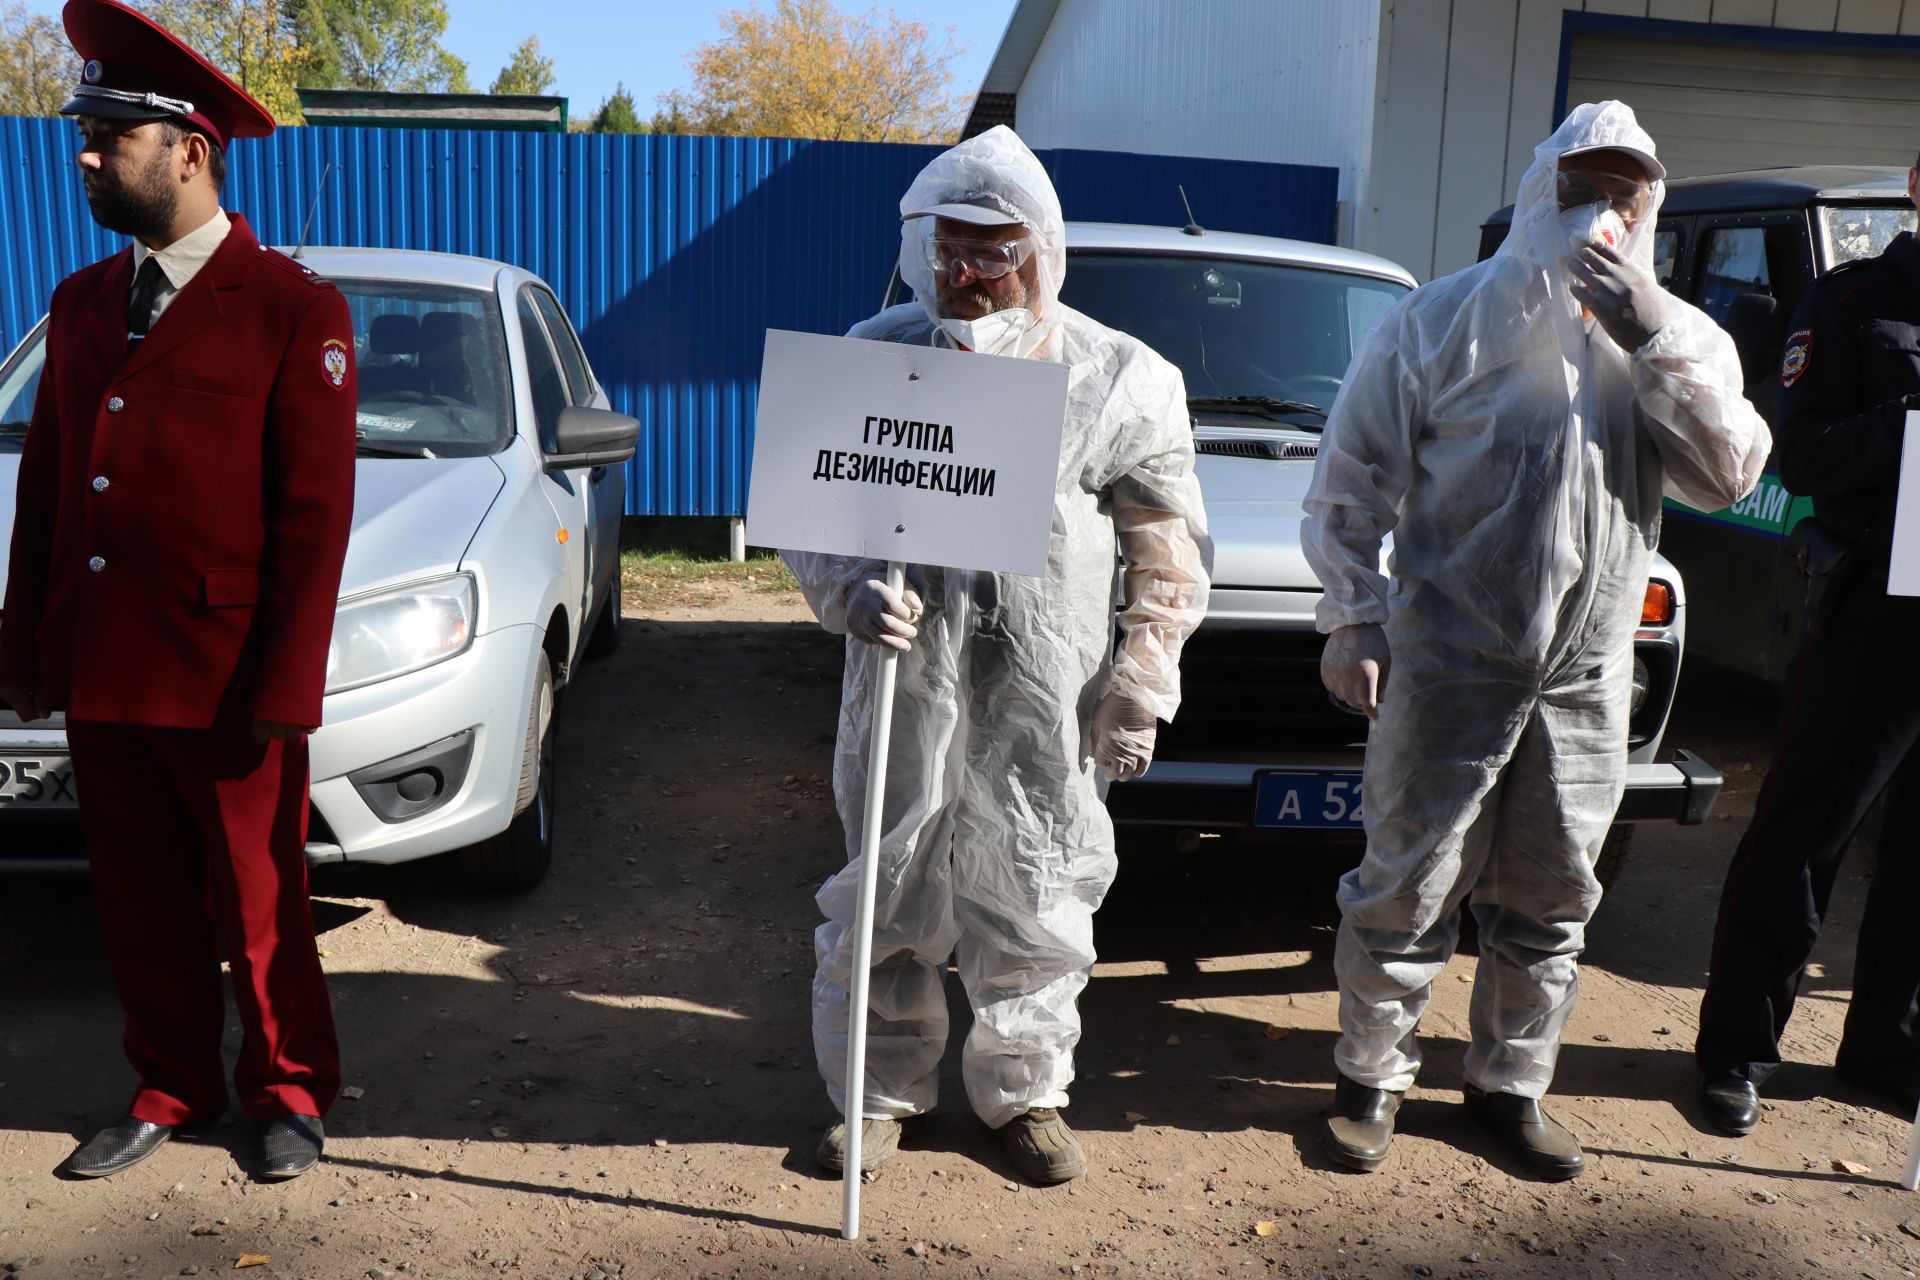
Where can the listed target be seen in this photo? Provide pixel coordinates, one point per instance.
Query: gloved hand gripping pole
(863, 925)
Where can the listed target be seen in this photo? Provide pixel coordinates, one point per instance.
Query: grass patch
(675, 559)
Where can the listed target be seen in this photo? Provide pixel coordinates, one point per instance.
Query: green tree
(618, 114)
(527, 72)
(807, 70)
(377, 44)
(251, 40)
(38, 68)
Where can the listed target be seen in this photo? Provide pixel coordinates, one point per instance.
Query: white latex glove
(1354, 665)
(878, 615)
(1123, 733)
(1628, 302)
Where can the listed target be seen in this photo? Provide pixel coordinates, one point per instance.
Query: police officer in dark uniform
(1849, 727)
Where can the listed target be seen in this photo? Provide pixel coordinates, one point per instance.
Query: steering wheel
(1310, 386)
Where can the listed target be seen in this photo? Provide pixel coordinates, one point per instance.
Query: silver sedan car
(483, 568)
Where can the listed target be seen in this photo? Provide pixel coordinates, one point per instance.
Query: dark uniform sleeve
(1828, 444)
(35, 509)
(309, 465)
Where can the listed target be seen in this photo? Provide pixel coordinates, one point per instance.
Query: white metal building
(1430, 109)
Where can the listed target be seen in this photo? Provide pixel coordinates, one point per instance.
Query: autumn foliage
(807, 70)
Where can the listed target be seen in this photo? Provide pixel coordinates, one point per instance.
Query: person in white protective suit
(1513, 427)
(995, 846)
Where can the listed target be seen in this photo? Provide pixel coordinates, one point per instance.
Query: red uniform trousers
(195, 838)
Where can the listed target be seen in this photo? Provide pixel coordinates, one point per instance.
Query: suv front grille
(1255, 690)
(1274, 450)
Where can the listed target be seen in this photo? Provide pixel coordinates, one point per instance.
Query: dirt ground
(612, 1076)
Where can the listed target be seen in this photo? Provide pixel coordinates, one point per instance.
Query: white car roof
(406, 264)
(1124, 237)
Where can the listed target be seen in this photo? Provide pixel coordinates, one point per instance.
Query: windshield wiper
(13, 428)
(366, 448)
(1266, 405)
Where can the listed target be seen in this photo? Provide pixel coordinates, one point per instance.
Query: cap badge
(92, 72)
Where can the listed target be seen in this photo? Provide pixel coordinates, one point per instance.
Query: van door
(1748, 272)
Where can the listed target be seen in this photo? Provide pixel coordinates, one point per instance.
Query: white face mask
(1593, 224)
(1013, 332)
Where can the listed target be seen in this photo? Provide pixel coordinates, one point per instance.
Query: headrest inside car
(440, 327)
(394, 335)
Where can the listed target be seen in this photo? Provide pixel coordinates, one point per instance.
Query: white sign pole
(855, 1111)
(1903, 576)
(1910, 1176)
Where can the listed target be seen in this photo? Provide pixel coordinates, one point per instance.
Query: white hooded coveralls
(1518, 457)
(996, 847)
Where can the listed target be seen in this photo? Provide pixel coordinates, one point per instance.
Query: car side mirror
(589, 437)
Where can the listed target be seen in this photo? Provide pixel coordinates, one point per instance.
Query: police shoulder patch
(1799, 354)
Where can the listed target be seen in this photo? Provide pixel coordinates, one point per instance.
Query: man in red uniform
(185, 496)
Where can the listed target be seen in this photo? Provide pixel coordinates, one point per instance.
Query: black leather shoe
(1536, 1137)
(1360, 1125)
(115, 1148)
(289, 1146)
(1730, 1103)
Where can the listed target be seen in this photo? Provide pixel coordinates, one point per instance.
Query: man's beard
(971, 302)
(143, 207)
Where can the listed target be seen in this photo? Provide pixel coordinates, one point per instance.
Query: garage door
(1713, 108)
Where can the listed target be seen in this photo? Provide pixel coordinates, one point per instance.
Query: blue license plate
(1325, 801)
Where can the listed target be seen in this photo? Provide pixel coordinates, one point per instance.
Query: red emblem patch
(333, 360)
(1798, 355)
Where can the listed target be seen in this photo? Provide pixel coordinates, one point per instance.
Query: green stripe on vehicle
(1770, 508)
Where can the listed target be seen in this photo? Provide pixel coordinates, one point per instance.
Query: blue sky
(596, 44)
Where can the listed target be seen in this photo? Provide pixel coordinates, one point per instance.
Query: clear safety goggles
(1626, 196)
(985, 259)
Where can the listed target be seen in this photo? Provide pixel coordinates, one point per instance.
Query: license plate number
(36, 782)
(1327, 801)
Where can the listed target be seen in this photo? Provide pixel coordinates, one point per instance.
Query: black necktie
(146, 285)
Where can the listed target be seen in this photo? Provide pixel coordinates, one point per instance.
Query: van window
(1863, 231)
(1748, 260)
(1666, 255)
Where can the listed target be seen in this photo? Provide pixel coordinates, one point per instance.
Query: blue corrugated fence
(673, 254)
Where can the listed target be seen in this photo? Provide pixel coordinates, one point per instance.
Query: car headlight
(388, 633)
(1642, 683)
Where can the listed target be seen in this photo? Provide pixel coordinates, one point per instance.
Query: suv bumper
(1214, 796)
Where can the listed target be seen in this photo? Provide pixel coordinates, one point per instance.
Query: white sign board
(1903, 579)
(916, 454)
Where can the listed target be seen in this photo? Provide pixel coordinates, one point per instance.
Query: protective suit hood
(1536, 245)
(995, 169)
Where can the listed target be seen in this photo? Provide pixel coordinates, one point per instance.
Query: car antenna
(1192, 228)
(313, 208)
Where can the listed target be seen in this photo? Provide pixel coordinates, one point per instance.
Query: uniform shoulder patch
(1799, 353)
(298, 270)
(333, 361)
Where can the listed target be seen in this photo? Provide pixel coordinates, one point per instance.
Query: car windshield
(432, 369)
(1863, 231)
(1253, 339)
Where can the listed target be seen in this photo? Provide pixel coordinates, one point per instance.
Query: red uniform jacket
(184, 509)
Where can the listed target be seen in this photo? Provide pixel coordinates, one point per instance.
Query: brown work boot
(1543, 1142)
(1042, 1148)
(879, 1139)
(1360, 1124)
